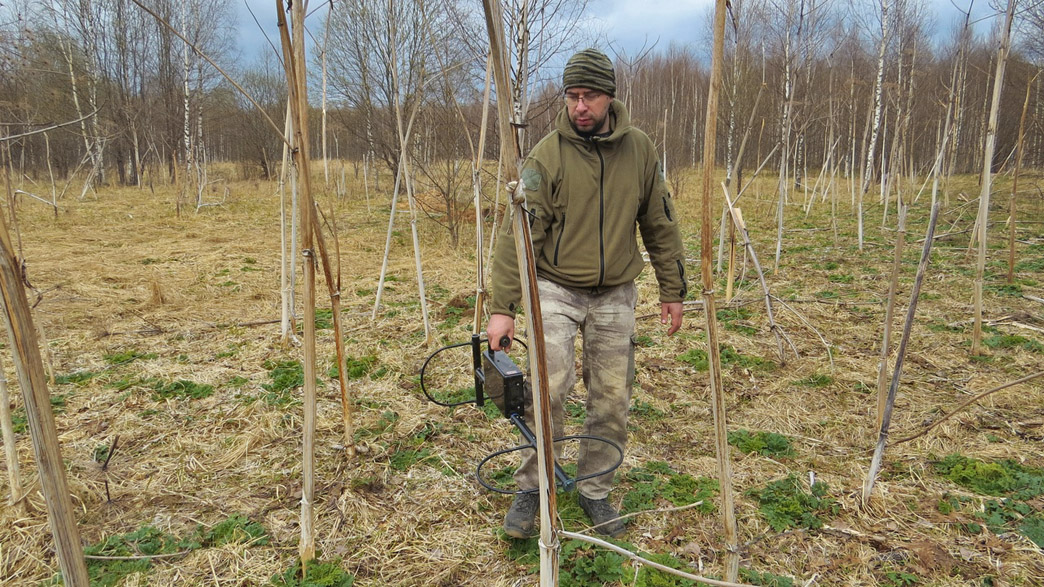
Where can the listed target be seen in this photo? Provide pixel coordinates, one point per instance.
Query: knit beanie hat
(592, 69)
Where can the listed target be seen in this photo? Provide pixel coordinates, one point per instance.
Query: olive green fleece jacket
(585, 196)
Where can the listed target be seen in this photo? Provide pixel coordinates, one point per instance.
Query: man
(588, 183)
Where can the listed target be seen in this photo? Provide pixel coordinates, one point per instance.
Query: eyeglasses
(588, 98)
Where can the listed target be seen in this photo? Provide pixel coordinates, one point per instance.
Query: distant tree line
(800, 85)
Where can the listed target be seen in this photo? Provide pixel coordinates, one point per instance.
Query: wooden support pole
(511, 156)
(42, 429)
(294, 60)
(717, 394)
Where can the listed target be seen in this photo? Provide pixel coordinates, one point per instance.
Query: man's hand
(670, 313)
(501, 325)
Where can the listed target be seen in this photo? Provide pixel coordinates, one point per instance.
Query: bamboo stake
(886, 420)
(333, 284)
(294, 60)
(1015, 181)
(732, 255)
(476, 181)
(510, 153)
(22, 336)
(987, 175)
(893, 285)
(14, 476)
(737, 220)
(407, 179)
(713, 352)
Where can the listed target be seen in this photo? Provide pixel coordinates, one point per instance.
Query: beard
(591, 128)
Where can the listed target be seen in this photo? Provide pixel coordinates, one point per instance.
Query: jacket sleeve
(658, 224)
(506, 282)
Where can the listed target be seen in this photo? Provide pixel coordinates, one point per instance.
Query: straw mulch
(135, 297)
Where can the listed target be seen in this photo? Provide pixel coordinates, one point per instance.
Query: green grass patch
(999, 478)
(1012, 341)
(20, 421)
(785, 504)
(323, 318)
(730, 318)
(815, 380)
(356, 368)
(1020, 486)
(385, 423)
(147, 541)
(583, 565)
(646, 411)
(649, 577)
(129, 356)
(316, 573)
(644, 341)
(698, 359)
(76, 378)
(766, 579)
(236, 529)
(284, 378)
(180, 389)
(938, 326)
(657, 481)
(769, 444)
(1012, 290)
(406, 458)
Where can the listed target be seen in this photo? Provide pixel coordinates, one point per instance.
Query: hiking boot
(520, 521)
(604, 516)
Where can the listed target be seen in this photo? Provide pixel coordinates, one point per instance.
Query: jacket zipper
(558, 242)
(601, 216)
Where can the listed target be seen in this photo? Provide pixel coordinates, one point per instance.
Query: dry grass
(194, 298)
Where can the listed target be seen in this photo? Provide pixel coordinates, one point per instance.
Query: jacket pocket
(558, 241)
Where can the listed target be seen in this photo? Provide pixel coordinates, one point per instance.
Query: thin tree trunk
(326, 44)
(893, 287)
(987, 174)
(878, 91)
(1015, 181)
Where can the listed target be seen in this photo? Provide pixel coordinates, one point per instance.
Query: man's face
(588, 110)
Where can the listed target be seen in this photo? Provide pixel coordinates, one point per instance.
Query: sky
(628, 24)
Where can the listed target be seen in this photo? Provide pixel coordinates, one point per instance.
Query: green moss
(236, 529)
(784, 504)
(147, 541)
(815, 380)
(124, 357)
(658, 481)
(763, 443)
(180, 389)
(315, 573)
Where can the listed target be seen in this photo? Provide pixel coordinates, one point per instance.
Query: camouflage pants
(605, 319)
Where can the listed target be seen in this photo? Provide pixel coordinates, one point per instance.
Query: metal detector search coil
(502, 381)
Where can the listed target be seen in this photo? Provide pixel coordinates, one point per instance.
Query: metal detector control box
(503, 382)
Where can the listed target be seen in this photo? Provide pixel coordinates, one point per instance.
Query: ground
(178, 403)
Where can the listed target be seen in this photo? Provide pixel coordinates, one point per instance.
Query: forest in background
(800, 81)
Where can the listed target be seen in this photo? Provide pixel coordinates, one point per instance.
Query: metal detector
(498, 378)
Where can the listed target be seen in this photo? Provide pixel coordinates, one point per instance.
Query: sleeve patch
(531, 179)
